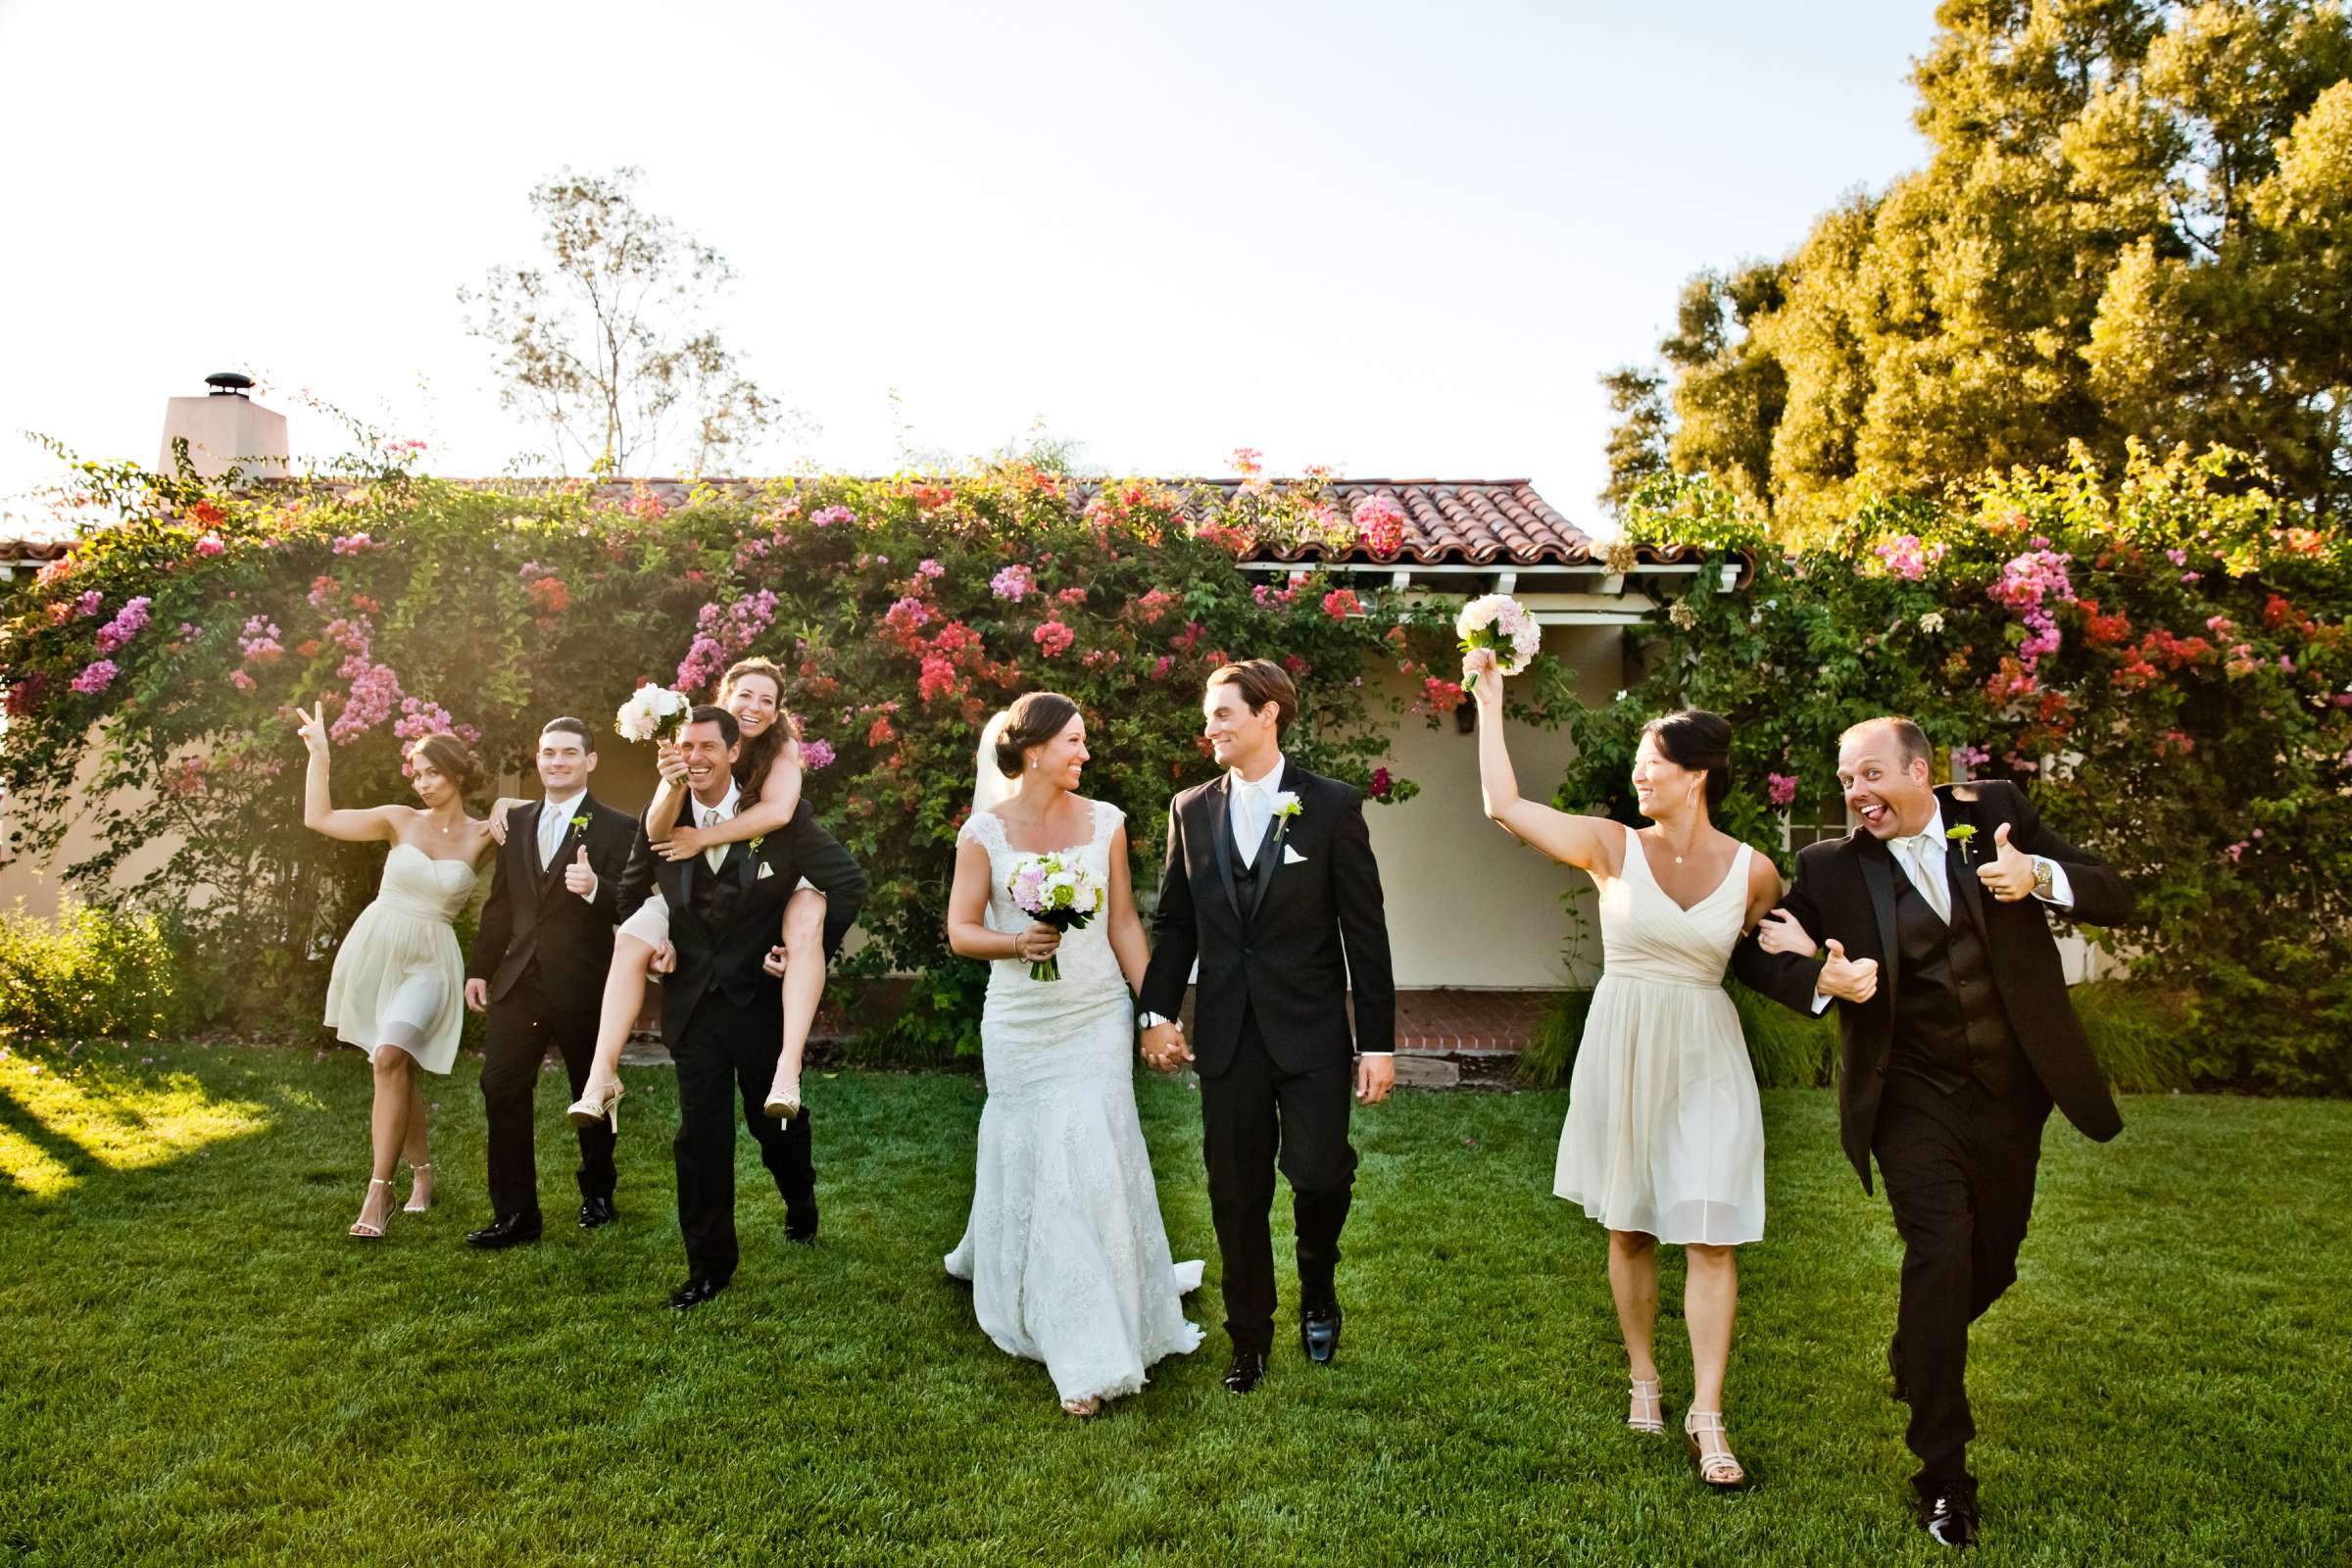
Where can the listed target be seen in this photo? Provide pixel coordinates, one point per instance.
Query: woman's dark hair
(452, 758)
(761, 752)
(1034, 718)
(1701, 742)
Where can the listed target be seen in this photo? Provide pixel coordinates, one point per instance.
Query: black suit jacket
(530, 913)
(726, 955)
(1312, 930)
(1845, 889)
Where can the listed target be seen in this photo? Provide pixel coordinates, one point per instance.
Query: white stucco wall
(1469, 906)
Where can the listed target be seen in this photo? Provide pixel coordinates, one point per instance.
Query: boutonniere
(1286, 807)
(582, 822)
(1962, 835)
(757, 840)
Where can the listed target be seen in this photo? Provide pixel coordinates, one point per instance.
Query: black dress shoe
(1247, 1367)
(595, 1212)
(1947, 1511)
(799, 1222)
(1319, 1334)
(507, 1230)
(695, 1292)
(1895, 1373)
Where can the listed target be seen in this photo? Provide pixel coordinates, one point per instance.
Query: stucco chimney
(225, 431)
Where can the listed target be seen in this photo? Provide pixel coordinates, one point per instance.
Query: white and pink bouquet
(1056, 892)
(651, 713)
(1491, 622)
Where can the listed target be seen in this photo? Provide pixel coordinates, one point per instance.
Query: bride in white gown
(1065, 1252)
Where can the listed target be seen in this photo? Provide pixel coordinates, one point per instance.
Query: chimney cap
(227, 383)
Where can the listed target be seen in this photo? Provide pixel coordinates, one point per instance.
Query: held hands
(1376, 1075)
(1782, 932)
(775, 963)
(663, 961)
(1037, 943)
(477, 996)
(313, 728)
(670, 762)
(1164, 1050)
(1848, 979)
(2009, 876)
(577, 878)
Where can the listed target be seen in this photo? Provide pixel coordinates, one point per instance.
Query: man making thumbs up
(538, 969)
(1956, 1037)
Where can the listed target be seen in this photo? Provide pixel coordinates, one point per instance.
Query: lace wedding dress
(1065, 1252)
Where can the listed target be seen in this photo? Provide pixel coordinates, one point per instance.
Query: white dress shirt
(1921, 855)
(555, 820)
(1251, 807)
(711, 815)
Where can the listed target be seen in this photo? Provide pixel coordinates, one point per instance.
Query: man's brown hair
(1261, 681)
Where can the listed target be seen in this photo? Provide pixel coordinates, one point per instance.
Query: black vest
(1950, 1027)
(714, 892)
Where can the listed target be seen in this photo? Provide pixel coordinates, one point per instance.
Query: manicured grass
(200, 1369)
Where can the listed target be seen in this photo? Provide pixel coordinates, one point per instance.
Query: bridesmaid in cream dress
(398, 991)
(1664, 1139)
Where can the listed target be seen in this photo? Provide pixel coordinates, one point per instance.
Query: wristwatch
(1147, 1019)
(2043, 884)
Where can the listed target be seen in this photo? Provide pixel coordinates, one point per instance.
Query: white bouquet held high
(651, 713)
(1056, 892)
(1498, 622)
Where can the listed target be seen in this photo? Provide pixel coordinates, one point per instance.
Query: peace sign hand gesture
(314, 728)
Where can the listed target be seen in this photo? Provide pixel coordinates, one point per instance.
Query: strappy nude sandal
(1712, 1457)
(414, 1204)
(1653, 1422)
(1081, 1407)
(361, 1230)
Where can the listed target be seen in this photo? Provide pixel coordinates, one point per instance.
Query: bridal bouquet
(1056, 892)
(1492, 621)
(651, 713)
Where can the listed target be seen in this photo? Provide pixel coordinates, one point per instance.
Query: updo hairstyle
(1034, 718)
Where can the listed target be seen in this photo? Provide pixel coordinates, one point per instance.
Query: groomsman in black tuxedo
(722, 1008)
(1270, 883)
(1956, 1037)
(538, 969)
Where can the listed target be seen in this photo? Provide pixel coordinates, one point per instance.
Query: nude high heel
(588, 1110)
(1648, 1415)
(361, 1230)
(413, 1206)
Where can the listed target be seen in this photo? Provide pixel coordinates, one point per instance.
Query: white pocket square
(766, 871)
(1291, 857)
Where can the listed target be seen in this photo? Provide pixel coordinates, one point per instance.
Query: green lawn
(200, 1369)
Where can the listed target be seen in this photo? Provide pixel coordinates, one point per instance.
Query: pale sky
(1402, 238)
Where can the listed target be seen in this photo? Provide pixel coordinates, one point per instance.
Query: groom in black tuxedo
(538, 969)
(723, 1012)
(1956, 1037)
(1271, 885)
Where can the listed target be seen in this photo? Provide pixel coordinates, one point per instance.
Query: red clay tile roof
(1482, 522)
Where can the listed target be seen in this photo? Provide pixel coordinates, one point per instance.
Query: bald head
(1909, 740)
(1882, 769)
